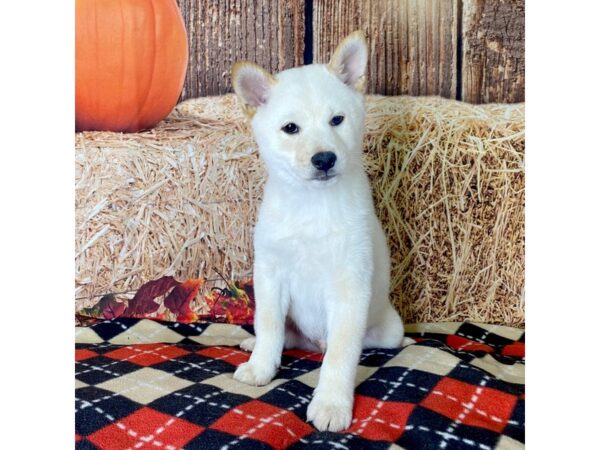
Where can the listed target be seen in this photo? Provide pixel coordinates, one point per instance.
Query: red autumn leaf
(143, 304)
(178, 301)
(110, 307)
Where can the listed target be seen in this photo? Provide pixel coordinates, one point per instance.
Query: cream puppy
(322, 266)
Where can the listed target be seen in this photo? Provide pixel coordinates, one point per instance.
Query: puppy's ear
(252, 84)
(349, 61)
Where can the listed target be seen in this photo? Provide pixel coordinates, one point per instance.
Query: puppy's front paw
(254, 374)
(328, 413)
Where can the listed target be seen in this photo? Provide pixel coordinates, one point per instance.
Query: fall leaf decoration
(143, 304)
(232, 304)
(178, 301)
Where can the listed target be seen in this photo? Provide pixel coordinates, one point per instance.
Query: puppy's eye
(290, 128)
(336, 120)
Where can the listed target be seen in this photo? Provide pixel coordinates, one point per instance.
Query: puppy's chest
(313, 239)
(311, 249)
(310, 227)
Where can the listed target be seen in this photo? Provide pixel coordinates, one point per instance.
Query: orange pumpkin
(130, 63)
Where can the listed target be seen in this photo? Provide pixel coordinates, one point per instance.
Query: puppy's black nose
(323, 160)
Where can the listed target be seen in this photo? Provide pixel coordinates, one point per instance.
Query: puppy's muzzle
(323, 160)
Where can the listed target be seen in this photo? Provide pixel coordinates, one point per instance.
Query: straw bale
(448, 182)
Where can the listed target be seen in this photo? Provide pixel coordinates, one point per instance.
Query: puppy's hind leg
(388, 333)
(293, 339)
(248, 344)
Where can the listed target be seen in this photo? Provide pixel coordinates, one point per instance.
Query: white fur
(322, 267)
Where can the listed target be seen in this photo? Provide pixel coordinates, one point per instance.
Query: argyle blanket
(148, 384)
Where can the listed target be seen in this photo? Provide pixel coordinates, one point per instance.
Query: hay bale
(181, 200)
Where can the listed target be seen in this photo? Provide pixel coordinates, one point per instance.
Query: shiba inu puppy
(322, 265)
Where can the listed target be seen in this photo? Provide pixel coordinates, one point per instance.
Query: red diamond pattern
(82, 354)
(146, 429)
(147, 354)
(467, 345)
(465, 402)
(379, 420)
(229, 354)
(267, 423)
(303, 354)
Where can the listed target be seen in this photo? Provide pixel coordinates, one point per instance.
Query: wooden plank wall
(471, 50)
(412, 43)
(221, 32)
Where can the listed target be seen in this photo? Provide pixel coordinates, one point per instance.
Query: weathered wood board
(412, 43)
(268, 32)
(493, 51)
